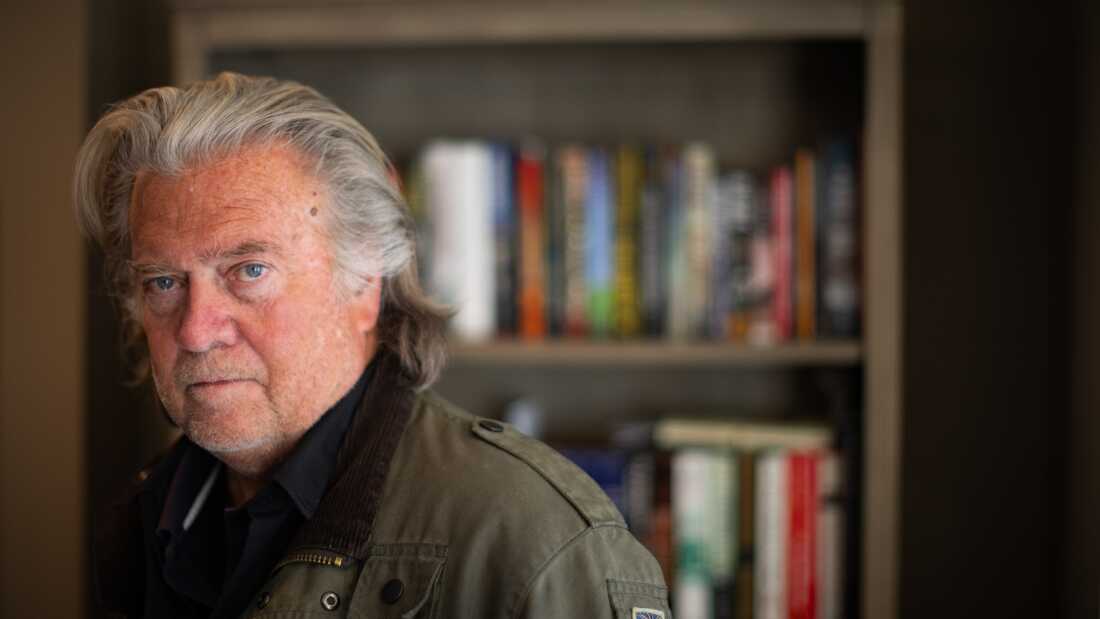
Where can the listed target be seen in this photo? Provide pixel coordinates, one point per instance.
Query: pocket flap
(398, 580)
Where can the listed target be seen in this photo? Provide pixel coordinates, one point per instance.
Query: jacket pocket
(306, 583)
(638, 600)
(399, 581)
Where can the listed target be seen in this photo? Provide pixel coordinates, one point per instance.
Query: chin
(242, 433)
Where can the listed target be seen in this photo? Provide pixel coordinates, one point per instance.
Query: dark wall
(1080, 570)
(990, 92)
(128, 52)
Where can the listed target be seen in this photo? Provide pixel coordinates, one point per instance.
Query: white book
(689, 288)
(830, 538)
(690, 469)
(772, 532)
(458, 192)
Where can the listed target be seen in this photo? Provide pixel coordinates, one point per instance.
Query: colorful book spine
(782, 233)
(772, 529)
(652, 227)
(830, 537)
(802, 543)
(504, 236)
(628, 196)
(840, 237)
(690, 473)
(805, 164)
(762, 280)
(532, 284)
(573, 175)
(721, 515)
(744, 589)
(600, 238)
(740, 189)
(554, 243)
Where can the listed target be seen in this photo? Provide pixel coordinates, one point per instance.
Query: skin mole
(313, 211)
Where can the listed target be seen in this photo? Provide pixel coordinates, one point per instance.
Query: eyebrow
(246, 248)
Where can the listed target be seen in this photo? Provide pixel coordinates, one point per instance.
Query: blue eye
(164, 283)
(253, 271)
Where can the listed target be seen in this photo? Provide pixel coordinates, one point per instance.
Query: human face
(250, 339)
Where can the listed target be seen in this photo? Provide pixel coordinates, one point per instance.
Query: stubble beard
(243, 433)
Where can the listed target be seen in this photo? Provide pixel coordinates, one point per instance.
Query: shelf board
(655, 353)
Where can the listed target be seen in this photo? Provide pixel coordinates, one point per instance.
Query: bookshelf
(422, 53)
(655, 353)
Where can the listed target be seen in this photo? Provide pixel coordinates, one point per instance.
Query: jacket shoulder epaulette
(566, 478)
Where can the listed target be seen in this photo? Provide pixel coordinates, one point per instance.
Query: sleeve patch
(646, 613)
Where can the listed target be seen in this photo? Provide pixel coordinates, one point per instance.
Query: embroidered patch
(646, 613)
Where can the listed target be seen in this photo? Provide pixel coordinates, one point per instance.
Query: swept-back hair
(165, 131)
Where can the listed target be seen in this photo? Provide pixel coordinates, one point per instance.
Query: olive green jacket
(459, 517)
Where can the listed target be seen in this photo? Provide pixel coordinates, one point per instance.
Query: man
(264, 259)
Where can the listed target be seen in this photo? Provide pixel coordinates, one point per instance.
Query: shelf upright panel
(883, 312)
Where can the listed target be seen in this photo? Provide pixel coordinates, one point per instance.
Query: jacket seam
(525, 593)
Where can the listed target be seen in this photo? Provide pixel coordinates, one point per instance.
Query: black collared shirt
(216, 557)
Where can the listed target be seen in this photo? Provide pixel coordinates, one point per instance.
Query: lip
(217, 383)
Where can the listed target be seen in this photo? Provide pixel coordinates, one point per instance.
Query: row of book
(591, 241)
(746, 519)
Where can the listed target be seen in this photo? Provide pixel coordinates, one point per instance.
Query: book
(678, 432)
(772, 529)
(760, 288)
(840, 240)
(573, 179)
(532, 260)
(504, 236)
(744, 589)
(722, 535)
(805, 164)
(782, 212)
(801, 539)
(628, 197)
(692, 243)
(600, 239)
(652, 243)
(458, 198)
(830, 537)
(690, 477)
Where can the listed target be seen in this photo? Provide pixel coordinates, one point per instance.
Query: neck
(241, 488)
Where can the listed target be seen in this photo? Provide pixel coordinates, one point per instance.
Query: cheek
(162, 344)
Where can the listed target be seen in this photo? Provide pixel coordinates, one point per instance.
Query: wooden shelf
(656, 353)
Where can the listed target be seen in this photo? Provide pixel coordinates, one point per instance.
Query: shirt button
(392, 591)
(491, 426)
(265, 598)
(330, 601)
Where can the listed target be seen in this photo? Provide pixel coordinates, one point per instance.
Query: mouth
(215, 384)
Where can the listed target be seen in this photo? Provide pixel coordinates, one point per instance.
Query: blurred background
(834, 258)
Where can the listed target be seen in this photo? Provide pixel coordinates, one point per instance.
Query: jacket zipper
(310, 557)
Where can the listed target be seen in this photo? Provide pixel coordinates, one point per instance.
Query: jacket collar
(345, 517)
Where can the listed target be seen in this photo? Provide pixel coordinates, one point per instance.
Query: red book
(783, 246)
(802, 546)
(532, 278)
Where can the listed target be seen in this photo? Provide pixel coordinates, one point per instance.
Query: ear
(366, 305)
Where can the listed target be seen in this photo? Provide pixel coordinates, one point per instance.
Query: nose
(207, 321)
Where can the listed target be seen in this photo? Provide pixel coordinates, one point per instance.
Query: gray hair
(167, 130)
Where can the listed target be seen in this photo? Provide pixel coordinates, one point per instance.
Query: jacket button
(491, 426)
(265, 598)
(330, 601)
(392, 591)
